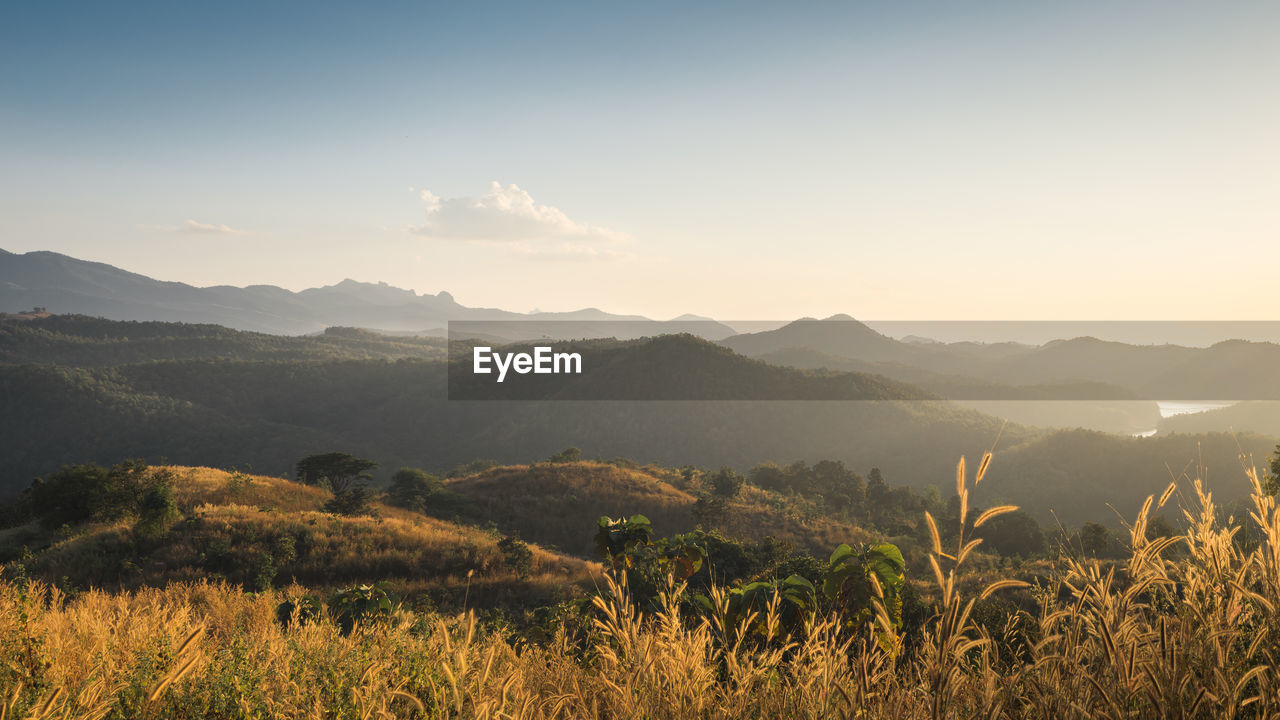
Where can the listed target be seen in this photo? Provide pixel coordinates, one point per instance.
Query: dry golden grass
(259, 526)
(1190, 636)
(551, 503)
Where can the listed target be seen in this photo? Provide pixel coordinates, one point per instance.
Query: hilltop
(670, 367)
(83, 341)
(551, 503)
(1079, 368)
(260, 531)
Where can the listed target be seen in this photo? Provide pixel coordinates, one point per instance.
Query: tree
(1160, 527)
(339, 470)
(567, 455)
(1095, 539)
(1014, 533)
(157, 510)
(412, 489)
(877, 488)
(727, 483)
(516, 555)
(1272, 484)
(708, 510)
(87, 493)
(769, 476)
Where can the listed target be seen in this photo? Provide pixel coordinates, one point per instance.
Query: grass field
(1185, 627)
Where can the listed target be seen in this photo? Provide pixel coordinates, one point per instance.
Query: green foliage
(413, 489)
(1272, 483)
(618, 540)
(516, 555)
(472, 467)
(1014, 534)
(794, 598)
(709, 510)
(305, 609)
(351, 502)
(840, 488)
(727, 483)
(77, 494)
(857, 581)
(567, 455)
(360, 604)
(1095, 539)
(157, 511)
(628, 546)
(339, 470)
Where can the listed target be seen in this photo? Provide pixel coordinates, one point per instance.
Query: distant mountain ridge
(1079, 368)
(66, 285)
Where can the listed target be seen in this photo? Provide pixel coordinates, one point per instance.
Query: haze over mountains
(1079, 368)
(64, 284)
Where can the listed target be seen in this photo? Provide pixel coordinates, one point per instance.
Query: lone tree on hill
(339, 470)
(412, 489)
(727, 483)
(567, 455)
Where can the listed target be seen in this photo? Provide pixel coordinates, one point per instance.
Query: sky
(921, 161)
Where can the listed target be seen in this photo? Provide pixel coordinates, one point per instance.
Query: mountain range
(66, 285)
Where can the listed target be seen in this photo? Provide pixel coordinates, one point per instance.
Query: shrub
(412, 489)
(567, 455)
(352, 502)
(77, 494)
(516, 555)
(727, 483)
(157, 511)
(360, 604)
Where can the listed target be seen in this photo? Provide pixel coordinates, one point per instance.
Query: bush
(1014, 534)
(352, 502)
(360, 604)
(727, 483)
(157, 511)
(77, 494)
(516, 555)
(412, 489)
(567, 455)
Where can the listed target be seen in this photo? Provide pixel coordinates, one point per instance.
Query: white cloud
(510, 216)
(191, 227)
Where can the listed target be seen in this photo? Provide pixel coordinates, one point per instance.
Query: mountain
(66, 285)
(1080, 368)
(256, 530)
(668, 367)
(837, 335)
(549, 503)
(82, 341)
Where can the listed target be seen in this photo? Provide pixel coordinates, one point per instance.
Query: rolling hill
(259, 531)
(1081, 368)
(551, 502)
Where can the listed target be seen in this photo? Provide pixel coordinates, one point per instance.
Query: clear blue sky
(889, 160)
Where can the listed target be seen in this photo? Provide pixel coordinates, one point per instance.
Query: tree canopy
(339, 470)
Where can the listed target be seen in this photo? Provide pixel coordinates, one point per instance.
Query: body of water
(1169, 408)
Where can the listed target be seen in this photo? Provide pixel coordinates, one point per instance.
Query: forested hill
(263, 402)
(83, 341)
(668, 367)
(1081, 368)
